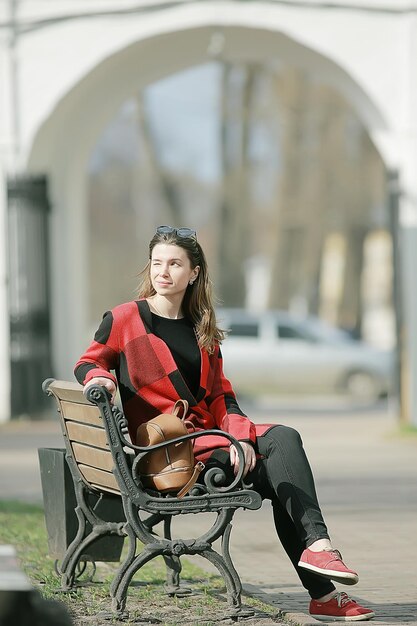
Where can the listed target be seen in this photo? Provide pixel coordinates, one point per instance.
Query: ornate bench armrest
(99, 395)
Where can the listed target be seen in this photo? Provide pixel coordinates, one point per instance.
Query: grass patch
(22, 525)
(408, 429)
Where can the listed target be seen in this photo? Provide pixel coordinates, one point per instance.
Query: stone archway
(63, 143)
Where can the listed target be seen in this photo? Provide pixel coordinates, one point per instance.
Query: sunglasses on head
(180, 232)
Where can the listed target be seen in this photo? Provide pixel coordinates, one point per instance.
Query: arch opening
(79, 117)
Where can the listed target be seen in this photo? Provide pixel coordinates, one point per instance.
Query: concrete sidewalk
(366, 478)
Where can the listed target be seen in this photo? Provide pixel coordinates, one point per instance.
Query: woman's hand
(103, 382)
(250, 457)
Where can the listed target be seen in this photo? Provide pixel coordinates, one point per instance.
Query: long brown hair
(198, 302)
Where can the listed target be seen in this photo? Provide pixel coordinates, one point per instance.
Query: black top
(180, 338)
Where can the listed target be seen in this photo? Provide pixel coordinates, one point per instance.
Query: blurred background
(270, 127)
(277, 174)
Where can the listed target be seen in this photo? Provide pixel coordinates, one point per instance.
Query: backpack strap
(199, 466)
(178, 405)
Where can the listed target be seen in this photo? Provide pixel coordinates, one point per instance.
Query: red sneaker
(341, 608)
(328, 563)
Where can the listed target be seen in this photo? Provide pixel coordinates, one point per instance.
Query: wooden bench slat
(114, 491)
(87, 434)
(86, 413)
(65, 390)
(93, 457)
(99, 477)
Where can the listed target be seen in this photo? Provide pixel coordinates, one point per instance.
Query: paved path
(366, 477)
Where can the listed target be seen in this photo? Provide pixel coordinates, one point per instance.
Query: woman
(166, 346)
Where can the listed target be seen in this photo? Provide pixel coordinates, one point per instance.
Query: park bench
(103, 461)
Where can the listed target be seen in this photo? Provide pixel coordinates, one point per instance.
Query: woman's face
(170, 270)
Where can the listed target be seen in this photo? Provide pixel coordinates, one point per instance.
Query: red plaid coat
(150, 383)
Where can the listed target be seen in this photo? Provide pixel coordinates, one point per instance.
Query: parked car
(276, 352)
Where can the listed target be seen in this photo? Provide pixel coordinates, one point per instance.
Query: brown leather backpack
(172, 468)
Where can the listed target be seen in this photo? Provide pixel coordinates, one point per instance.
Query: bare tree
(290, 212)
(238, 93)
(167, 188)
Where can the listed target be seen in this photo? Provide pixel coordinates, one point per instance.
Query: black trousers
(283, 475)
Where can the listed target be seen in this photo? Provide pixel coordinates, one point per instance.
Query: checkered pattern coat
(150, 383)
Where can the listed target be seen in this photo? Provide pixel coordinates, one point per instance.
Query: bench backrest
(86, 438)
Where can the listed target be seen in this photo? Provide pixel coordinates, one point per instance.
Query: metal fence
(30, 346)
